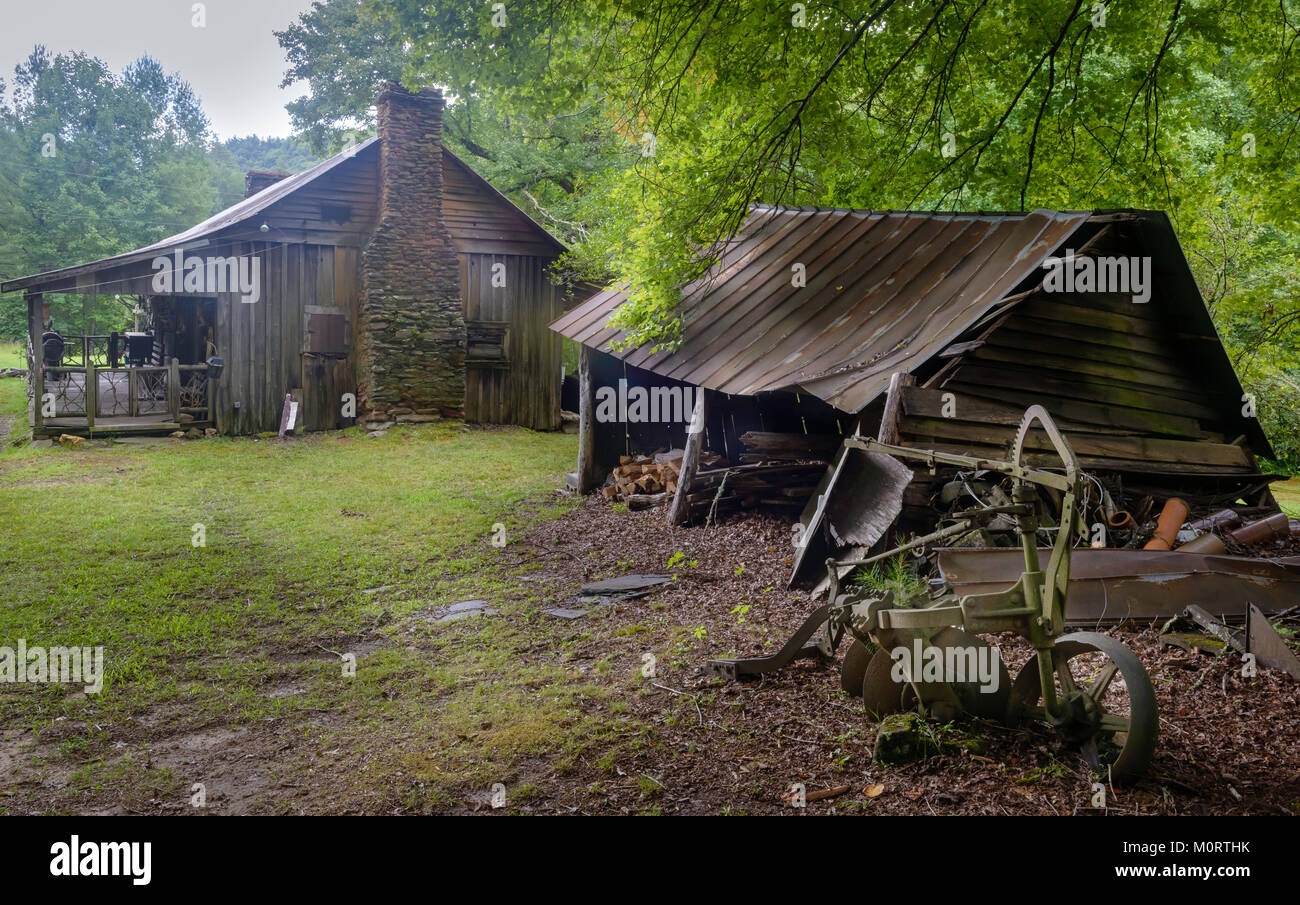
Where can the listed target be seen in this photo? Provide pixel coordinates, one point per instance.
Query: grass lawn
(234, 584)
(327, 545)
(13, 390)
(1287, 495)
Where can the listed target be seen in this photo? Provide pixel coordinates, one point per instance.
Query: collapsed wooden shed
(388, 282)
(937, 330)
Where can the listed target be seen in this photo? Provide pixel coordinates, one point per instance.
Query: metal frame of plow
(1033, 607)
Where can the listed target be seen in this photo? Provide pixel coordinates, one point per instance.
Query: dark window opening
(328, 335)
(486, 343)
(335, 213)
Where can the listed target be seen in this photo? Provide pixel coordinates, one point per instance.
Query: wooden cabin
(389, 282)
(937, 330)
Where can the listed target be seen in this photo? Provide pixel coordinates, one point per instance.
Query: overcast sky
(234, 63)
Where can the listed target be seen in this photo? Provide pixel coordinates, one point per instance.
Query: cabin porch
(84, 385)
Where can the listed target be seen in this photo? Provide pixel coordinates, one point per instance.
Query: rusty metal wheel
(1114, 723)
(881, 695)
(854, 667)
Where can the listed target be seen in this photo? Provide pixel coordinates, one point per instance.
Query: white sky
(234, 64)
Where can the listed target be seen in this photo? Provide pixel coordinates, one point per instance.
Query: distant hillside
(283, 155)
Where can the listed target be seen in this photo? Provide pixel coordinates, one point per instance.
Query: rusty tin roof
(885, 291)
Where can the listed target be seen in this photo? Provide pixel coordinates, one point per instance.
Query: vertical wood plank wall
(527, 392)
(264, 344)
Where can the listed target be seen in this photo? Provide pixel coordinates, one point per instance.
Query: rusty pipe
(1266, 529)
(1224, 519)
(1170, 520)
(1121, 518)
(1208, 543)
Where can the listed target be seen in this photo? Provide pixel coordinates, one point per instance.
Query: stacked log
(783, 486)
(647, 481)
(635, 476)
(767, 446)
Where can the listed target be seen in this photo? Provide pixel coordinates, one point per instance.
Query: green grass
(1287, 494)
(11, 354)
(13, 390)
(99, 550)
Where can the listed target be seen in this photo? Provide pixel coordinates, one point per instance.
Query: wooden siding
(265, 345)
(300, 216)
(1114, 374)
(481, 221)
(526, 391)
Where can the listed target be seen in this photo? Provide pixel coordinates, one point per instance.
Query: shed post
(893, 407)
(680, 512)
(589, 477)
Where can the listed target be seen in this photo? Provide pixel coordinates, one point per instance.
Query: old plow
(922, 651)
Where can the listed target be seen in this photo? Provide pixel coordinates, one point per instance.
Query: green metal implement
(1069, 683)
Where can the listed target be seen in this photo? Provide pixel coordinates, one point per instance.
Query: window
(486, 344)
(327, 335)
(335, 213)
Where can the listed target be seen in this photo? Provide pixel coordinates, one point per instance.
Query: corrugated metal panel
(885, 291)
(260, 202)
(236, 213)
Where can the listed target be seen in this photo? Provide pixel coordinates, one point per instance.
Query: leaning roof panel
(884, 292)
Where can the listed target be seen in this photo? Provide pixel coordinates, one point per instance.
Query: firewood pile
(777, 470)
(647, 481)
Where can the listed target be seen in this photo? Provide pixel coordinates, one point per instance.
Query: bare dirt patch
(676, 741)
(1229, 746)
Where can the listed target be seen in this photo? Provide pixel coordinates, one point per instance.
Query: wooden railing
(128, 392)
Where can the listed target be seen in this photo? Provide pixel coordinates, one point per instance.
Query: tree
(542, 158)
(93, 164)
(947, 104)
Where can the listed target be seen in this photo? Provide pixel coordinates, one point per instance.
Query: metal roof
(236, 213)
(885, 290)
(251, 207)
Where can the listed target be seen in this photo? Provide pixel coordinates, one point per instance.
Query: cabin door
(328, 387)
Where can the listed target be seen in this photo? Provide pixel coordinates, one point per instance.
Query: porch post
(35, 328)
(174, 389)
(91, 395)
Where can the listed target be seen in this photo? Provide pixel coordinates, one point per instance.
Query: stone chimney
(256, 180)
(411, 330)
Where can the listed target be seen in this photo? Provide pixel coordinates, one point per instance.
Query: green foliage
(897, 574)
(706, 108)
(93, 163)
(276, 155)
(550, 159)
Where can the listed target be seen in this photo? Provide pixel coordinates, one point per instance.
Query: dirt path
(674, 741)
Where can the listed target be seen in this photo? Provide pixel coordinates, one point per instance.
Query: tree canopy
(94, 163)
(643, 130)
